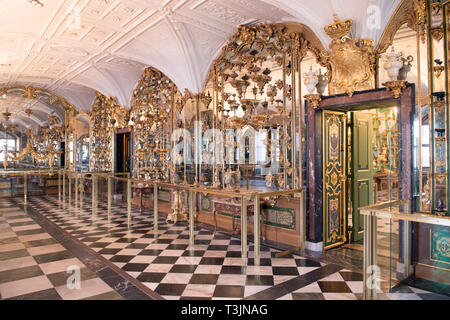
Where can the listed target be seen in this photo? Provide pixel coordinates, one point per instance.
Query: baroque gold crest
(352, 62)
(352, 66)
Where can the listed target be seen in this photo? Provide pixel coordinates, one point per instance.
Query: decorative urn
(393, 64)
(311, 80)
(322, 83)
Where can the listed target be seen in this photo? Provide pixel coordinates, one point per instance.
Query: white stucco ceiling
(108, 44)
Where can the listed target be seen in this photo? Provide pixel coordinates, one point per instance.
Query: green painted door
(362, 170)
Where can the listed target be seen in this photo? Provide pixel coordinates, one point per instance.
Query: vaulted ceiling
(75, 47)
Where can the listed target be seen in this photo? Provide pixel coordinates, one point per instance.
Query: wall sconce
(438, 68)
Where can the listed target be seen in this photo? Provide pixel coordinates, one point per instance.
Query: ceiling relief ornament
(352, 61)
(223, 13)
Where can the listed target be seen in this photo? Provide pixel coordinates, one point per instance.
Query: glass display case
(437, 186)
(254, 87)
(152, 121)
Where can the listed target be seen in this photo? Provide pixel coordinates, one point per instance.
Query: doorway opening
(372, 168)
(381, 174)
(123, 152)
(361, 161)
(361, 168)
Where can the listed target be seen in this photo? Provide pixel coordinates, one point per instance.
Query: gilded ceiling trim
(409, 12)
(35, 92)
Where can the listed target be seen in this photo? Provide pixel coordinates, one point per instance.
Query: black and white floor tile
(164, 262)
(33, 265)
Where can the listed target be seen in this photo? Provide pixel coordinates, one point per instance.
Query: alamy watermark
(373, 21)
(74, 20)
(74, 279)
(230, 146)
(373, 273)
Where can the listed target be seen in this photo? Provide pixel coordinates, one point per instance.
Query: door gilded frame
(315, 173)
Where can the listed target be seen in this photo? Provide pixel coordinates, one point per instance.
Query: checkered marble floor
(164, 262)
(33, 265)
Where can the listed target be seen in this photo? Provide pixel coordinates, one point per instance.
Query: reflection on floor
(163, 262)
(33, 264)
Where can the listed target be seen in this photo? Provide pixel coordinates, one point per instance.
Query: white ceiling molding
(77, 47)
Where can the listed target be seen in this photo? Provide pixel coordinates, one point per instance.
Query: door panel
(334, 177)
(362, 169)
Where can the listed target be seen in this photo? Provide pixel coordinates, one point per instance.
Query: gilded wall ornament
(314, 99)
(352, 66)
(36, 92)
(420, 10)
(437, 33)
(105, 117)
(396, 87)
(339, 28)
(438, 68)
(153, 102)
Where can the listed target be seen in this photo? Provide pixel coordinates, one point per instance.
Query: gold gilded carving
(420, 10)
(437, 33)
(30, 93)
(151, 118)
(338, 29)
(334, 179)
(438, 68)
(179, 212)
(409, 12)
(35, 92)
(106, 115)
(42, 146)
(314, 99)
(6, 115)
(396, 87)
(261, 37)
(352, 66)
(29, 112)
(352, 61)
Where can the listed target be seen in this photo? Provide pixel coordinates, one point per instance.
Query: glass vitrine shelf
(388, 242)
(402, 210)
